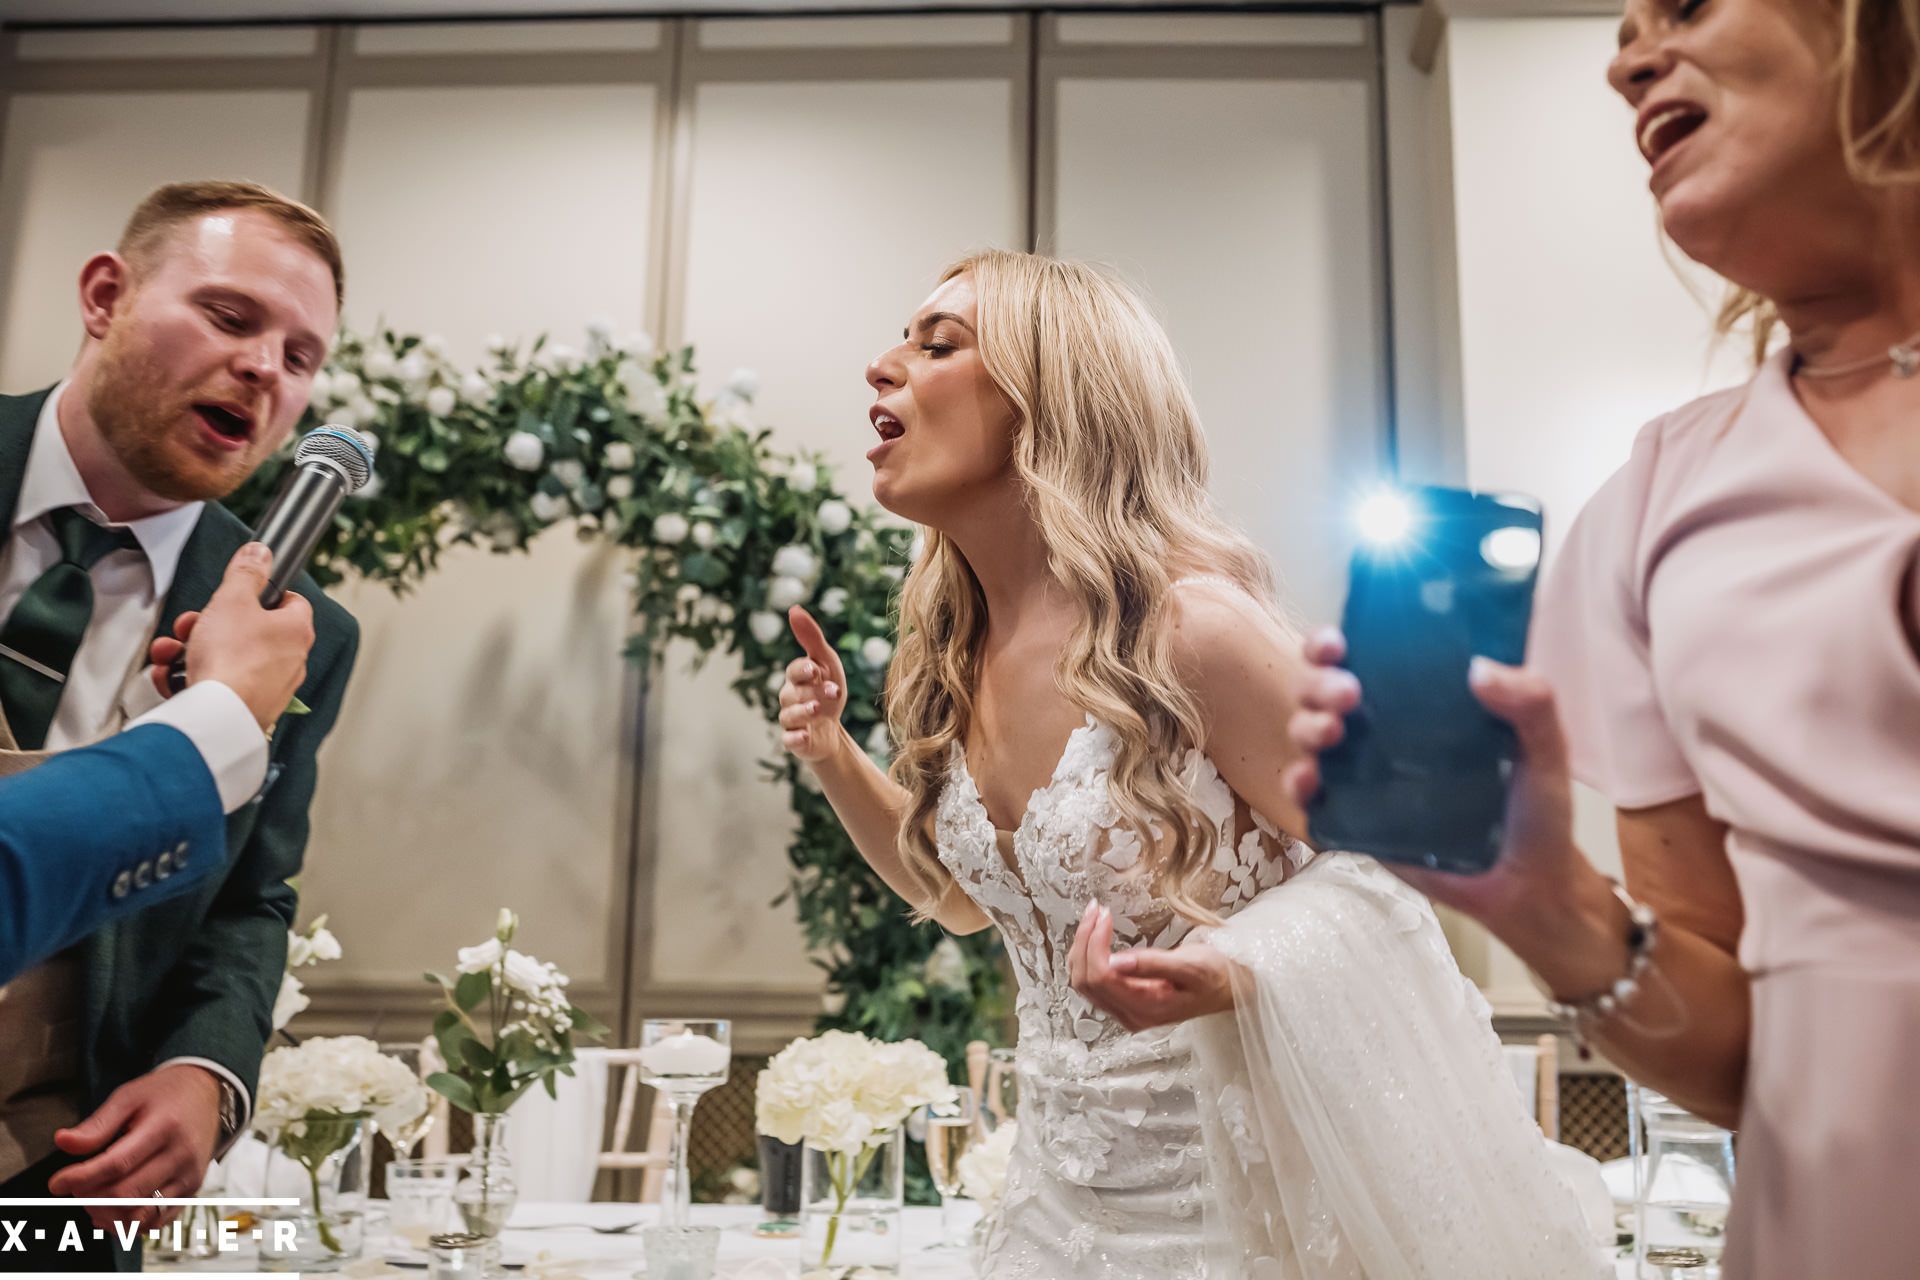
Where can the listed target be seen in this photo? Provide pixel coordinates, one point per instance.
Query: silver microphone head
(341, 448)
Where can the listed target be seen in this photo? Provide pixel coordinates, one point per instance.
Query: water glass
(420, 1199)
(1683, 1187)
(680, 1253)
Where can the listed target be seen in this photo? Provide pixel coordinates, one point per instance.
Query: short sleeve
(1590, 640)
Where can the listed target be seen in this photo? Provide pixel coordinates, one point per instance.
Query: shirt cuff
(243, 1112)
(225, 734)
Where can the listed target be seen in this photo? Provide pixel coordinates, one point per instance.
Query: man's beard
(137, 417)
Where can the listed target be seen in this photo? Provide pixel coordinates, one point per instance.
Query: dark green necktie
(44, 631)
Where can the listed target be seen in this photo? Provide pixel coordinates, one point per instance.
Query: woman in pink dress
(1732, 634)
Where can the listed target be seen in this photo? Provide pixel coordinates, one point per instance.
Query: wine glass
(405, 1136)
(950, 1131)
(683, 1058)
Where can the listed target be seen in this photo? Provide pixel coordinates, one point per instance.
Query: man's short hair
(178, 202)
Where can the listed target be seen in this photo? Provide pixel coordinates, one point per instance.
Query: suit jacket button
(122, 884)
(143, 875)
(180, 856)
(163, 865)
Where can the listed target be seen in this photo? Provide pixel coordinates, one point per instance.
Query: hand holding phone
(1421, 771)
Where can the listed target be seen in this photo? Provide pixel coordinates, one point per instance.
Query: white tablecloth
(577, 1251)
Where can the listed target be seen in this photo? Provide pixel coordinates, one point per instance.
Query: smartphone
(1440, 576)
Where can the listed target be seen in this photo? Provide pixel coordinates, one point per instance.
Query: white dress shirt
(108, 685)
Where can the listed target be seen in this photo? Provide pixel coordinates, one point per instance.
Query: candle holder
(683, 1058)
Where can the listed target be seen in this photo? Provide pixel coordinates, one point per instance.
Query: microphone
(331, 462)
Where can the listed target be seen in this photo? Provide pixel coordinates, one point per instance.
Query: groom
(130, 1059)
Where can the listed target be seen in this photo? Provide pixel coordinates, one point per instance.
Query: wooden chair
(654, 1158)
(1536, 1069)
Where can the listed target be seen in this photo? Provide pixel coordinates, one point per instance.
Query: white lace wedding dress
(1352, 1119)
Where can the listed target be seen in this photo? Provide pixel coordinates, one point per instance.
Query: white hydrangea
(620, 488)
(703, 534)
(331, 1076)
(796, 561)
(670, 529)
(440, 401)
(834, 516)
(833, 601)
(983, 1169)
(766, 627)
(618, 456)
(876, 651)
(783, 593)
(840, 1089)
(525, 451)
(548, 507)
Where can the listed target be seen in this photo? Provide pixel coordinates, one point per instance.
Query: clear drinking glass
(1683, 1187)
(683, 1058)
(420, 1199)
(951, 1130)
(404, 1137)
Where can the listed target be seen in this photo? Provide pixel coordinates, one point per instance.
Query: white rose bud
(743, 383)
(876, 651)
(833, 601)
(834, 516)
(620, 488)
(379, 364)
(506, 925)
(548, 507)
(783, 593)
(569, 472)
(670, 529)
(599, 336)
(796, 561)
(525, 451)
(803, 476)
(435, 346)
(475, 389)
(703, 535)
(440, 401)
(766, 627)
(497, 344)
(619, 456)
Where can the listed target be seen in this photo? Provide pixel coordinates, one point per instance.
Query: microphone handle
(291, 529)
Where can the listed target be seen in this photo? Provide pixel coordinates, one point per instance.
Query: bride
(1089, 700)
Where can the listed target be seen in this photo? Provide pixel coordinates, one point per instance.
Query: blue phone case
(1422, 774)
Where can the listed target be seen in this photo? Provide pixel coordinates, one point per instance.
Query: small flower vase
(486, 1196)
(850, 1206)
(330, 1224)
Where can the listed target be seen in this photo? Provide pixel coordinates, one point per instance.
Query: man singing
(131, 1057)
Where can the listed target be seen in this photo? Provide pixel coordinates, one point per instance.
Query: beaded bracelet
(1642, 929)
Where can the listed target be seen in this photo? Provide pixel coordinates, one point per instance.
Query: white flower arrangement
(841, 1091)
(946, 967)
(308, 946)
(983, 1169)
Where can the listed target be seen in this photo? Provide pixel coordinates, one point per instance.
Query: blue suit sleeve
(101, 832)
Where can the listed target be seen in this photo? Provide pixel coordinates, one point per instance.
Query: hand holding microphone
(259, 653)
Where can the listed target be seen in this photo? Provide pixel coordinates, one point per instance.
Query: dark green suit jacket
(196, 976)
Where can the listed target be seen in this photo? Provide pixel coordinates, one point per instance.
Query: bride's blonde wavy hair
(1108, 449)
(1878, 77)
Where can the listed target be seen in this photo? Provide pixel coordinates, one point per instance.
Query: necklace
(1904, 355)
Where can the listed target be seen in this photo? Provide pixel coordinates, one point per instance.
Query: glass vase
(329, 1227)
(486, 1196)
(850, 1204)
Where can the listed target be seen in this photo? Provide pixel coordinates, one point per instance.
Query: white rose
(637, 343)
(599, 336)
(548, 507)
(291, 1000)
(435, 346)
(703, 535)
(876, 651)
(369, 438)
(803, 476)
(783, 593)
(379, 364)
(365, 412)
(481, 958)
(795, 561)
(346, 384)
(440, 401)
(475, 389)
(498, 345)
(620, 488)
(743, 384)
(320, 390)
(525, 974)
(569, 472)
(833, 601)
(525, 451)
(645, 397)
(765, 627)
(558, 357)
(670, 529)
(946, 967)
(688, 596)
(834, 516)
(412, 369)
(618, 456)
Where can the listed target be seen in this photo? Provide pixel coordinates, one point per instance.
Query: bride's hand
(1146, 987)
(815, 692)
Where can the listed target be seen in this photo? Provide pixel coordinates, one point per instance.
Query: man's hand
(154, 1135)
(261, 654)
